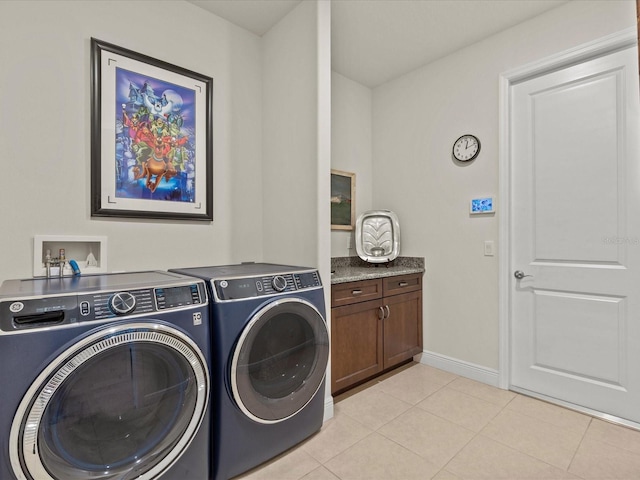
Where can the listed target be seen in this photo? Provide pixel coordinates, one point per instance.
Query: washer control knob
(122, 303)
(279, 283)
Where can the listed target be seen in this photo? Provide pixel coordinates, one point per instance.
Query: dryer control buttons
(85, 308)
(279, 283)
(122, 303)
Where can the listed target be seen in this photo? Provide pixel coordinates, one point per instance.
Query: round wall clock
(466, 148)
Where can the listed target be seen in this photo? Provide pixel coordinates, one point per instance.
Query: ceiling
(374, 41)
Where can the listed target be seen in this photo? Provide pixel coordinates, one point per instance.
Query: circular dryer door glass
(122, 406)
(280, 360)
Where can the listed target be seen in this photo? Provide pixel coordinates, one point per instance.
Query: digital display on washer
(177, 296)
(306, 280)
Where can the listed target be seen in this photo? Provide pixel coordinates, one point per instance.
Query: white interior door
(575, 228)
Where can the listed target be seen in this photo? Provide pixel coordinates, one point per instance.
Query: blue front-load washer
(105, 377)
(270, 353)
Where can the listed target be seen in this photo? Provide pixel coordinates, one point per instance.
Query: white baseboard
(459, 367)
(328, 409)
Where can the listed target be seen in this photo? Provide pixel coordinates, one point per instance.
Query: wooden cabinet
(356, 343)
(375, 326)
(402, 332)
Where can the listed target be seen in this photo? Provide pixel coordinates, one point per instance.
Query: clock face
(466, 148)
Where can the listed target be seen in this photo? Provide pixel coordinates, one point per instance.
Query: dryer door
(123, 402)
(280, 360)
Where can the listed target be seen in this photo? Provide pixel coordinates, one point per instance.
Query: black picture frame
(152, 155)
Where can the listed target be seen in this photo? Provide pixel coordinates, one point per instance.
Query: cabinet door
(402, 327)
(356, 343)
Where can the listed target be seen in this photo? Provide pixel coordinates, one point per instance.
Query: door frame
(588, 51)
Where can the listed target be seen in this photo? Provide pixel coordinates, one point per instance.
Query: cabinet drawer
(402, 284)
(355, 292)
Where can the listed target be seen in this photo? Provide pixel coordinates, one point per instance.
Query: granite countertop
(352, 269)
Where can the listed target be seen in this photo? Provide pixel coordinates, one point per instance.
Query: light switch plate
(489, 248)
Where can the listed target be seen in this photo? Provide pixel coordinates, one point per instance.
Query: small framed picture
(482, 205)
(343, 200)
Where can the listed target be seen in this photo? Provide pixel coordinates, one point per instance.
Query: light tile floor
(424, 423)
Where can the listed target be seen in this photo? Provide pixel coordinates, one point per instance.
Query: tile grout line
(411, 406)
(444, 467)
(441, 387)
(551, 423)
(499, 404)
(475, 435)
(590, 417)
(508, 406)
(573, 457)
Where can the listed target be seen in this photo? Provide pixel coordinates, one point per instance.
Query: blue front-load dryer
(270, 353)
(105, 377)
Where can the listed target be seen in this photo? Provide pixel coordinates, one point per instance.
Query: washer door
(280, 360)
(124, 402)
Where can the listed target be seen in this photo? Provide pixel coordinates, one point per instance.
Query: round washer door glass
(280, 360)
(121, 403)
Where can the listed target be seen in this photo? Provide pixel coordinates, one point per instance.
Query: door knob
(519, 274)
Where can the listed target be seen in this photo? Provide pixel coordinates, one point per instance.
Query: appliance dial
(279, 283)
(122, 303)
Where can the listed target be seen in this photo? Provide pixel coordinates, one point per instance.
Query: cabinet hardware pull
(388, 311)
(356, 292)
(381, 314)
(403, 284)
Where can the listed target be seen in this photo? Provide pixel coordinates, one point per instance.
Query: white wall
(266, 94)
(323, 168)
(45, 134)
(290, 138)
(416, 119)
(297, 143)
(351, 144)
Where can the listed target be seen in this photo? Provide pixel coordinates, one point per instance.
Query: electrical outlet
(489, 248)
